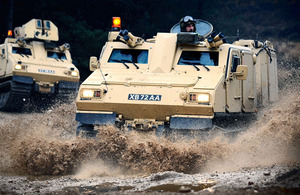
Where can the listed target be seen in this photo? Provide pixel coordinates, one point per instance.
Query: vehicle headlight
(20, 67)
(87, 93)
(202, 98)
(90, 93)
(74, 73)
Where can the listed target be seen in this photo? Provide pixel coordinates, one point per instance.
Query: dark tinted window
(129, 55)
(47, 25)
(39, 23)
(56, 55)
(21, 50)
(199, 57)
(235, 63)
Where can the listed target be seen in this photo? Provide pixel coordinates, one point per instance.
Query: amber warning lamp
(9, 34)
(116, 24)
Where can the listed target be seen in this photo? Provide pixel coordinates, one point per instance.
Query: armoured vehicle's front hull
(144, 111)
(40, 83)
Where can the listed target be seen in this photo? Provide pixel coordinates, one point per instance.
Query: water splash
(45, 144)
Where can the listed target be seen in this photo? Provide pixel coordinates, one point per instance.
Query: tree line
(85, 24)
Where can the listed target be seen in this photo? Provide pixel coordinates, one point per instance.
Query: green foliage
(83, 40)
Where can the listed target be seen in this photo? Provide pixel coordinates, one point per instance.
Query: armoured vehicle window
(235, 63)
(39, 24)
(129, 55)
(56, 55)
(47, 25)
(21, 50)
(198, 58)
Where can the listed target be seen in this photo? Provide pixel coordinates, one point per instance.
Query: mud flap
(22, 79)
(190, 123)
(96, 118)
(67, 87)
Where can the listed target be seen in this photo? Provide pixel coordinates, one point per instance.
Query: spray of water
(45, 144)
(273, 139)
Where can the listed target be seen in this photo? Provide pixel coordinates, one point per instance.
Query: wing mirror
(93, 63)
(241, 72)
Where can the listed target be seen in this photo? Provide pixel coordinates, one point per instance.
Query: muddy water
(39, 153)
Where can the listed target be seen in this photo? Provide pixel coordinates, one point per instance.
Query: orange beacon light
(116, 24)
(9, 33)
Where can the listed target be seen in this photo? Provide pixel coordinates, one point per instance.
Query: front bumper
(96, 118)
(47, 87)
(175, 121)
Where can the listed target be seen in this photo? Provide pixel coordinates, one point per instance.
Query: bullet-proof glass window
(56, 55)
(129, 55)
(39, 24)
(199, 58)
(21, 50)
(47, 25)
(235, 62)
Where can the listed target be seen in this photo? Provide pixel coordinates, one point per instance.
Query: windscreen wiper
(194, 64)
(191, 63)
(121, 61)
(26, 55)
(137, 67)
(21, 55)
(205, 67)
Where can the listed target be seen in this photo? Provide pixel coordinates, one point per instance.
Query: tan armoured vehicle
(34, 67)
(175, 80)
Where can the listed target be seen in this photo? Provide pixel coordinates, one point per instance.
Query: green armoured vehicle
(175, 80)
(33, 68)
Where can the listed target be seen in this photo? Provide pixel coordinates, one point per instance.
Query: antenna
(238, 34)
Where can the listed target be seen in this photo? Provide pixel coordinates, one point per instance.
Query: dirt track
(279, 179)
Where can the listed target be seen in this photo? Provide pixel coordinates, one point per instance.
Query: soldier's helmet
(185, 21)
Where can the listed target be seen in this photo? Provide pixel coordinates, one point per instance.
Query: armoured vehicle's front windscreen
(21, 50)
(56, 55)
(199, 58)
(129, 55)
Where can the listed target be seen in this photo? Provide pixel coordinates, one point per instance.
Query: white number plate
(144, 97)
(46, 71)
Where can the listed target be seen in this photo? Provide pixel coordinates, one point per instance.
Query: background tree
(84, 24)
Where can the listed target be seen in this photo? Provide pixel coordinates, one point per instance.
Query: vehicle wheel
(85, 130)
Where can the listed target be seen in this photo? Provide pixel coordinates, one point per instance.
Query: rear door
(233, 86)
(248, 86)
